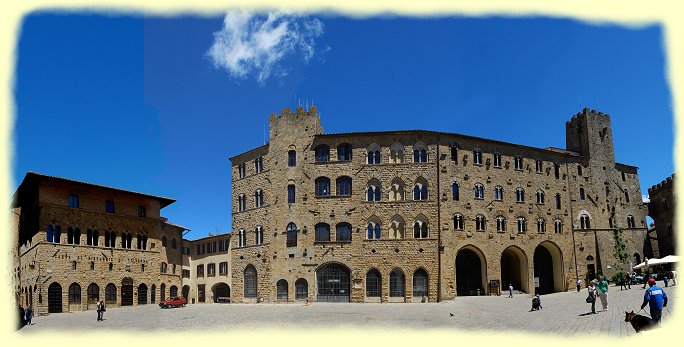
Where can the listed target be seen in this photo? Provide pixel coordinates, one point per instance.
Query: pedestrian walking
(666, 280)
(591, 298)
(579, 285)
(100, 310)
(623, 283)
(510, 290)
(539, 301)
(673, 276)
(656, 299)
(28, 315)
(603, 292)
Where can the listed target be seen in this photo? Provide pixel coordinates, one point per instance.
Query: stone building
(78, 243)
(412, 216)
(206, 269)
(662, 208)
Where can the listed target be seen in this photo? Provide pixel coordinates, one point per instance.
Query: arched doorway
(301, 289)
(173, 291)
(281, 290)
(54, 298)
(186, 291)
(221, 292)
(470, 271)
(548, 268)
(153, 293)
(514, 269)
(333, 283)
(127, 291)
(142, 294)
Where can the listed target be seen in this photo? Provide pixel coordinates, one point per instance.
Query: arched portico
(221, 292)
(514, 269)
(548, 267)
(333, 283)
(471, 271)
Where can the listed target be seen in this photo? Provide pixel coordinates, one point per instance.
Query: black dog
(640, 322)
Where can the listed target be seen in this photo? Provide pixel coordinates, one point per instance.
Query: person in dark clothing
(100, 310)
(28, 316)
(655, 298)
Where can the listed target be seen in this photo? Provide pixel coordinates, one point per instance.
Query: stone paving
(563, 313)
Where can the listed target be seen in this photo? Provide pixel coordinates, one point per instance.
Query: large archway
(186, 291)
(54, 298)
(333, 283)
(471, 271)
(221, 292)
(142, 294)
(514, 269)
(548, 268)
(127, 291)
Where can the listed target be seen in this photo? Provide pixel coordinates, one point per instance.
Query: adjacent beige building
(206, 269)
(408, 216)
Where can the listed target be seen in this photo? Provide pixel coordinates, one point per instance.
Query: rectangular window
(73, 201)
(497, 160)
(259, 236)
(538, 166)
(186, 273)
(109, 206)
(291, 158)
(141, 212)
(518, 163)
(556, 170)
(211, 269)
(291, 194)
(454, 154)
(258, 165)
(200, 293)
(200, 270)
(223, 268)
(241, 170)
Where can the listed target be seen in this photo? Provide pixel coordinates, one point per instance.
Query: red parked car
(173, 301)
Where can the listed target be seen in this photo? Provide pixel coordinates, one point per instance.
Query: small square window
(142, 213)
(109, 206)
(73, 201)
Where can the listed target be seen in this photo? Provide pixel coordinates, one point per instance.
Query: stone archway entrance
(54, 298)
(142, 294)
(470, 271)
(221, 292)
(186, 291)
(514, 269)
(127, 291)
(333, 283)
(548, 268)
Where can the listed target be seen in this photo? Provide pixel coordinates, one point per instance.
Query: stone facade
(520, 214)
(65, 259)
(662, 208)
(207, 270)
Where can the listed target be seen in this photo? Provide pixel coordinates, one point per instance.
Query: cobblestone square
(563, 314)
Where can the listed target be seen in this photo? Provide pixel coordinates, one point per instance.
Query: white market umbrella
(669, 259)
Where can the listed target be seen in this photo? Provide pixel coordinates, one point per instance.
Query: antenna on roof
(264, 133)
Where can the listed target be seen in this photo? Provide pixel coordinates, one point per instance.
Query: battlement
(585, 112)
(666, 183)
(296, 122)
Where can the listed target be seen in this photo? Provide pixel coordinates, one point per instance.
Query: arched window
(173, 244)
(250, 281)
(301, 289)
(344, 186)
(70, 235)
(581, 193)
(242, 202)
(258, 198)
(343, 232)
(74, 293)
(344, 152)
(164, 241)
(500, 223)
(579, 170)
(558, 201)
(630, 221)
(538, 166)
(89, 237)
(556, 170)
(478, 191)
(322, 186)
(522, 225)
(373, 284)
(322, 232)
(110, 294)
(173, 291)
(292, 158)
(396, 192)
(291, 235)
(518, 162)
(420, 153)
(626, 197)
(397, 283)
(420, 191)
(477, 157)
(541, 226)
(163, 268)
(112, 239)
(458, 221)
(374, 192)
(420, 228)
(497, 160)
(396, 228)
(242, 238)
(373, 154)
(373, 229)
(558, 226)
(259, 164)
(584, 222)
(396, 153)
(519, 195)
(454, 191)
(420, 283)
(291, 194)
(53, 233)
(281, 290)
(162, 291)
(540, 197)
(93, 293)
(322, 153)
(480, 224)
(498, 193)
(258, 237)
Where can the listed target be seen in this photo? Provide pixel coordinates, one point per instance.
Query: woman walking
(592, 296)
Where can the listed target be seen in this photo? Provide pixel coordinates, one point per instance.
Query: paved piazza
(563, 313)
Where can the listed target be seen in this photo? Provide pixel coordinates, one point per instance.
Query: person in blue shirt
(656, 299)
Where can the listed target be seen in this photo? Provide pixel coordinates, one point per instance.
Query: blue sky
(140, 103)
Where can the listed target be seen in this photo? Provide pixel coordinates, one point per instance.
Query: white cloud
(645, 198)
(250, 45)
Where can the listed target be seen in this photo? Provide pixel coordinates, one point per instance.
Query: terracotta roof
(164, 201)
